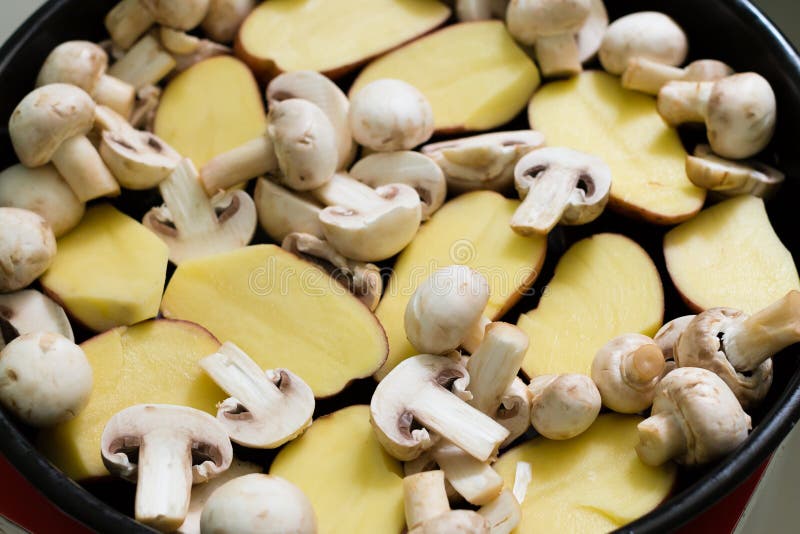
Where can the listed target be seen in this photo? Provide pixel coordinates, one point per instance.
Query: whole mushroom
(130, 19)
(27, 248)
(646, 34)
(667, 339)
(563, 406)
(282, 212)
(650, 76)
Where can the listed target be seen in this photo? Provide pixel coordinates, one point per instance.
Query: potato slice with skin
(330, 36)
(151, 362)
(109, 271)
(282, 311)
(594, 114)
(729, 256)
(603, 287)
(590, 483)
(353, 484)
(211, 108)
(472, 230)
(473, 74)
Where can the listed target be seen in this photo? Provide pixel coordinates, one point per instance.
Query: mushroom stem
(681, 102)
(474, 480)
(493, 367)
(147, 63)
(254, 158)
(191, 210)
(649, 76)
(116, 94)
(660, 439)
(558, 55)
(127, 21)
(545, 201)
(345, 192)
(425, 497)
(503, 513)
(643, 365)
(81, 166)
(475, 334)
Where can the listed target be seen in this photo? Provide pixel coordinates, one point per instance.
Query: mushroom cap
(138, 160)
(47, 117)
(27, 248)
(258, 504)
(79, 63)
(454, 521)
(30, 311)
(45, 378)
(563, 406)
(204, 436)
(667, 336)
(530, 19)
(282, 212)
(591, 34)
(646, 34)
(732, 178)
(178, 14)
(444, 308)
(700, 346)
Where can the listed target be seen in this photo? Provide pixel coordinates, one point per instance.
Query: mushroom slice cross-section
(731, 178)
(138, 160)
(559, 185)
(266, 409)
(164, 449)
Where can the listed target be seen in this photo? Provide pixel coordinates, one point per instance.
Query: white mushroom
(483, 161)
(193, 226)
(45, 379)
(164, 449)
(388, 115)
(739, 111)
(29, 311)
(253, 158)
(696, 419)
(646, 34)
(138, 160)
(43, 191)
(473, 479)
(428, 510)
(503, 513)
(130, 19)
(282, 212)
(148, 99)
(146, 63)
(224, 18)
(27, 248)
(591, 34)
(50, 124)
(266, 409)
(258, 504)
(667, 338)
(650, 76)
(731, 178)
(559, 185)
(563, 406)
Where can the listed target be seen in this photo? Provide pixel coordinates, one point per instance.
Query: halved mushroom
(649, 76)
(591, 34)
(559, 185)
(427, 392)
(193, 226)
(646, 34)
(696, 419)
(27, 248)
(164, 449)
(224, 18)
(146, 63)
(29, 311)
(503, 513)
(254, 158)
(138, 160)
(732, 178)
(483, 161)
(367, 224)
(428, 510)
(130, 19)
(563, 406)
(266, 409)
(282, 212)
(405, 167)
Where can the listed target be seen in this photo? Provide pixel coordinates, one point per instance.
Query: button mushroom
(405, 167)
(50, 124)
(266, 409)
(551, 25)
(27, 248)
(483, 161)
(282, 212)
(224, 18)
(563, 406)
(650, 76)
(254, 158)
(626, 371)
(130, 19)
(591, 34)
(45, 379)
(145, 64)
(667, 338)
(428, 510)
(731, 178)
(696, 419)
(559, 185)
(258, 504)
(367, 224)
(646, 34)
(738, 111)
(416, 396)
(193, 226)
(388, 115)
(29, 311)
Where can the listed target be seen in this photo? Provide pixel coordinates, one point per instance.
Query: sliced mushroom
(164, 449)
(646, 34)
(739, 111)
(730, 178)
(27, 248)
(483, 161)
(361, 279)
(45, 379)
(367, 224)
(130, 19)
(650, 76)
(428, 510)
(148, 99)
(138, 160)
(627, 371)
(591, 34)
(405, 167)
(559, 185)
(563, 406)
(224, 18)
(282, 212)
(696, 419)
(146, 63)
(236, 166)
(29, 311)
(416, 396)
(50, 124)
(193, 226)
(667, 338)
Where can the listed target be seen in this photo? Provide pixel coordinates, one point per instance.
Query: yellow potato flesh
(152, 362)
(729, 255)
(109, 271)
(211, 108)
(594, 114)
(474, 75)
(472, 230)
(284, 312)
(593, 483)
(352, 483)
(603, 287)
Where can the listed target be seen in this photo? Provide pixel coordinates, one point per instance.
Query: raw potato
(330, 36)
(591, 483)
(283, 312)
(472, 230)
(730, 256)
(211, 108)
(473, 74)
(594, 114)
(353, 484)
(603, 287)
(152, 362)
(109, 271)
